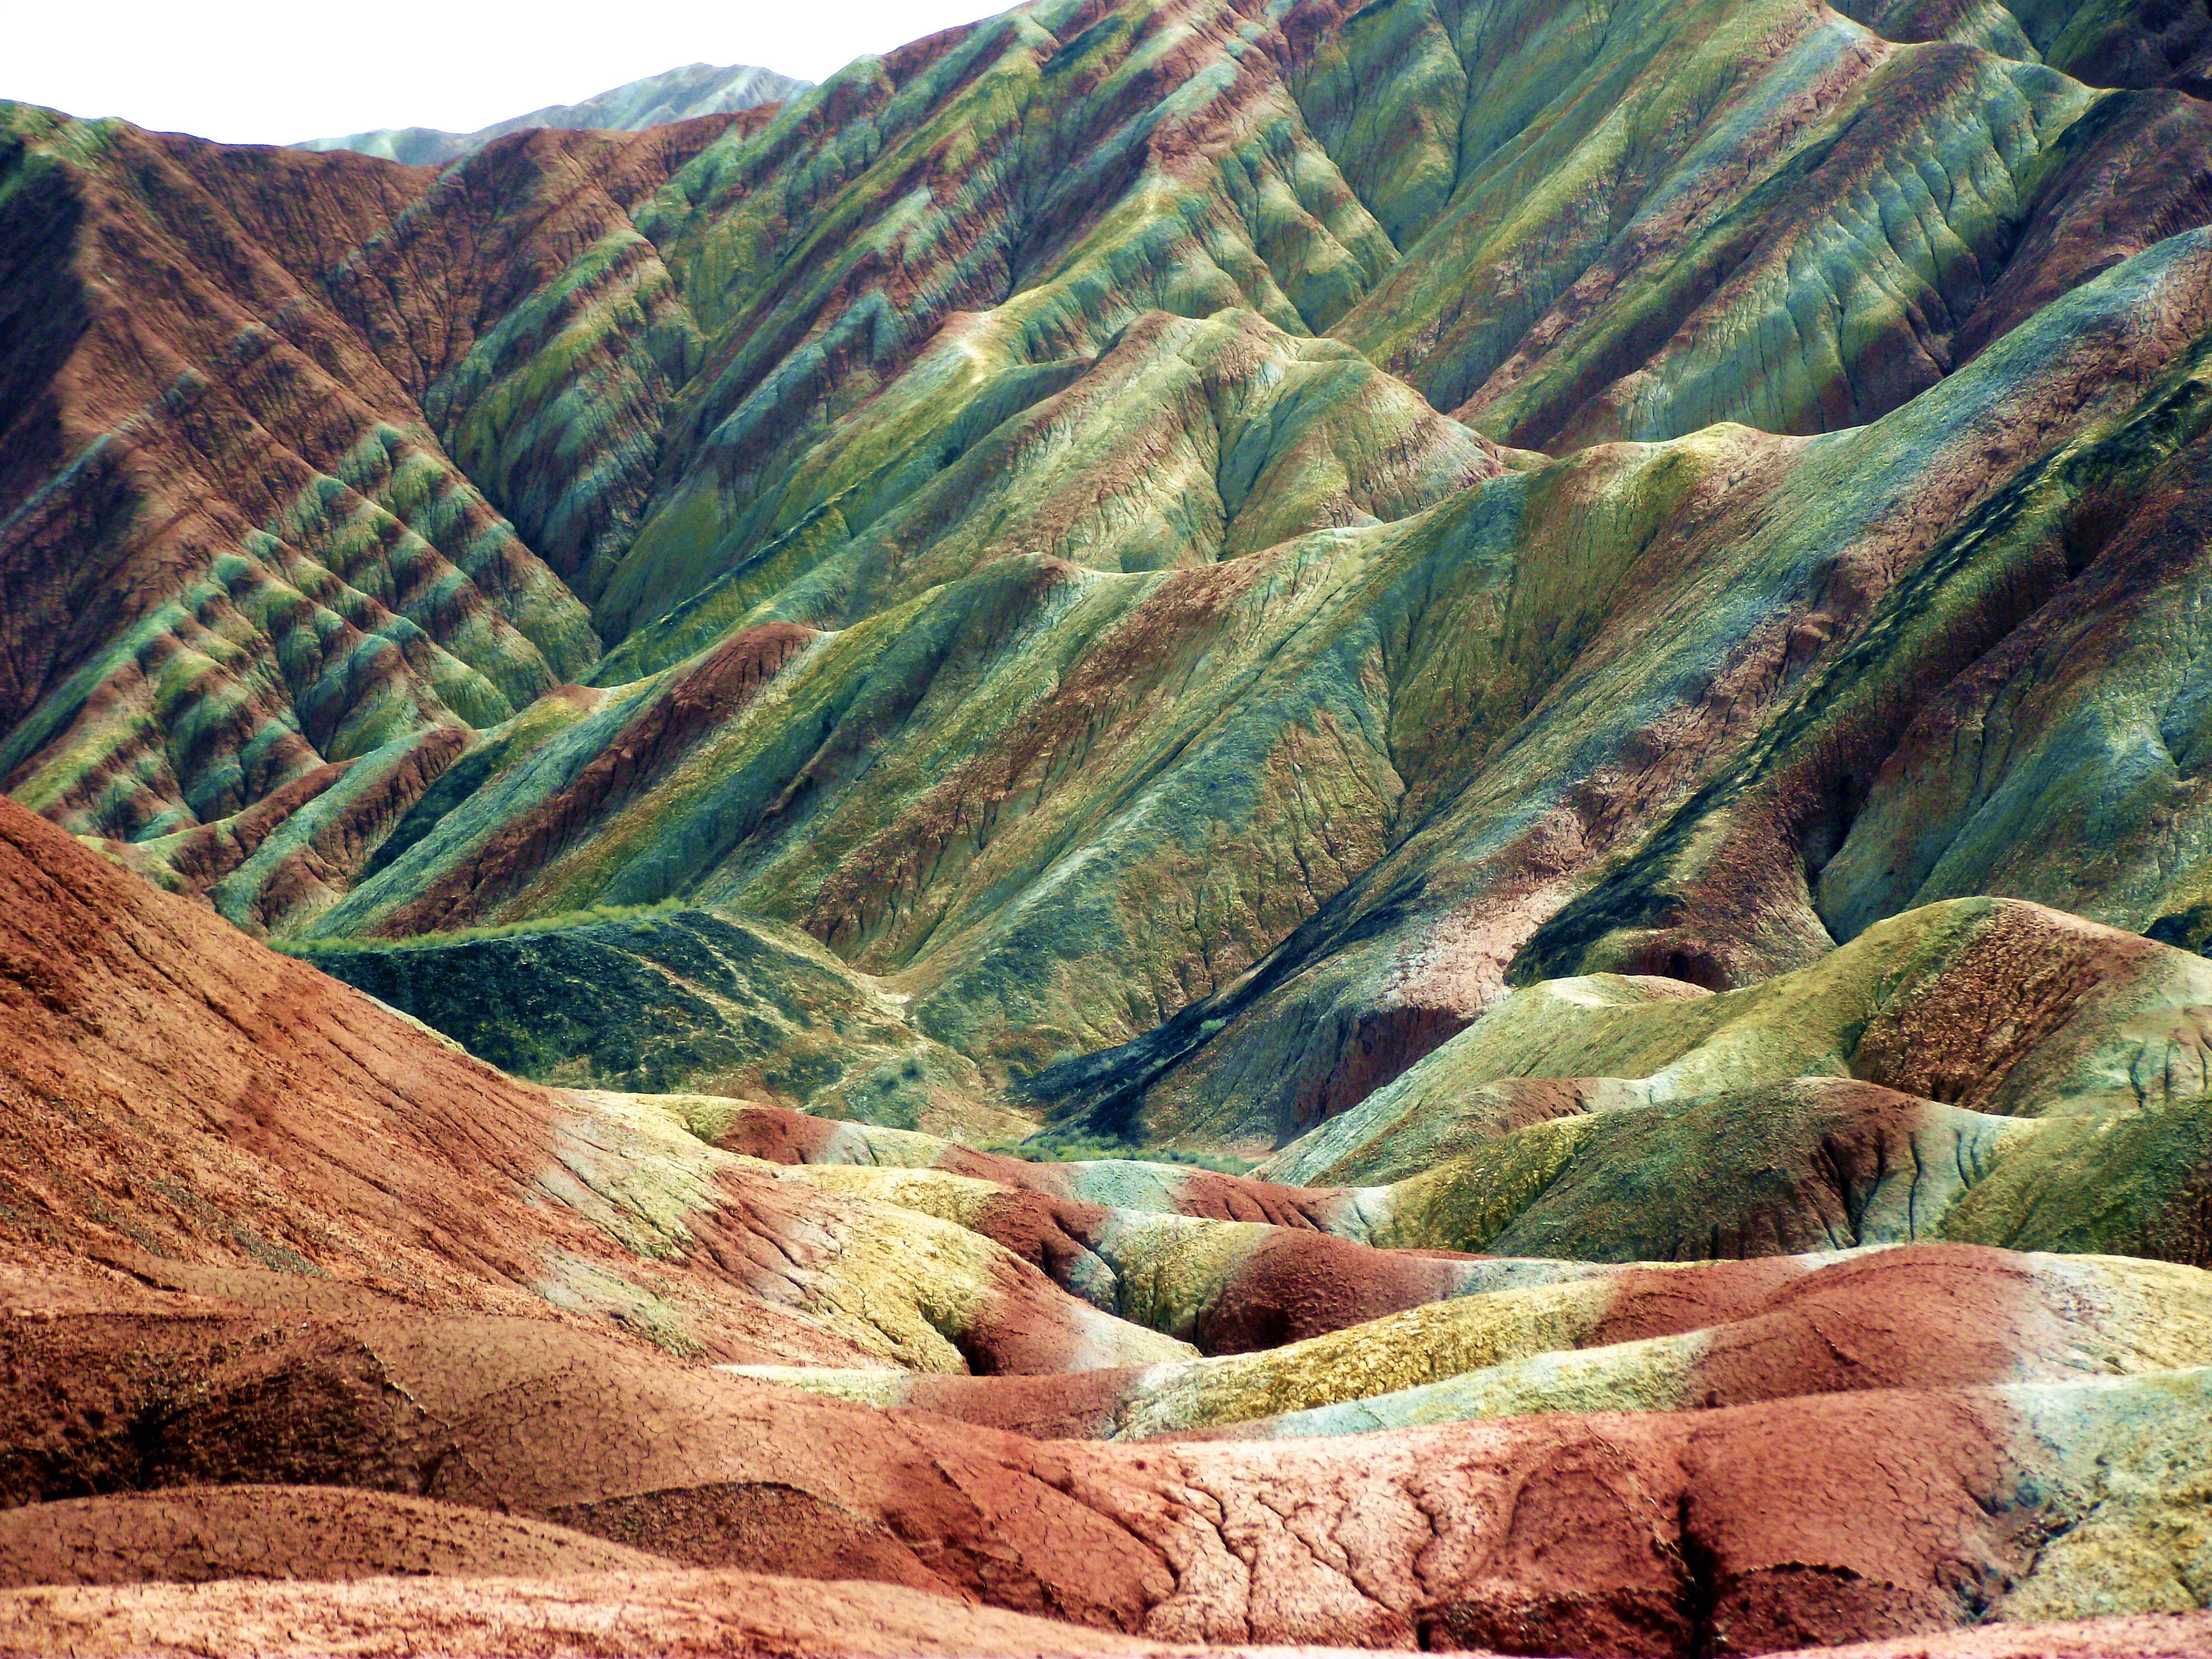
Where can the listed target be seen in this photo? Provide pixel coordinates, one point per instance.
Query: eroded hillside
(1575, 627)
(1230, 535)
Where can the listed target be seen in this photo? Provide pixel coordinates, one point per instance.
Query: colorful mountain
(1178, 827)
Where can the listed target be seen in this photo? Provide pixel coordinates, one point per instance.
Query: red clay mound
(1294, 1283)
(1928, 1315)
(1826, 1519)
(1914, 1316)
(194, 1533)
(696, 1614)
(179, 1101)
(1296, 1286)
(174, 1089)
(537, 1417)
(780, 1135)
(1297, 1283)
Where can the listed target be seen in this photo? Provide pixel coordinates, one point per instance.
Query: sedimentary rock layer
(261, 1317)
(1041, 501)
(1563, 638)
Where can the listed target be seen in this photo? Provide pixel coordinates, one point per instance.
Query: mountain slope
(1577, 625)
(1052, 513)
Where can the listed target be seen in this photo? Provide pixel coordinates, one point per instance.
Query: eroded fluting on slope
(256, 568)
(1047, 287)
(1758, 570)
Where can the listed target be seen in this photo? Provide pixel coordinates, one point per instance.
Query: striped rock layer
(1182, 822)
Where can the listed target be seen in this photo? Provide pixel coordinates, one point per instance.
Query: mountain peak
(676, 94)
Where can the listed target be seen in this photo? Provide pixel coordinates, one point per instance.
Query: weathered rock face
(202, 1113)
(255, 601)
(1577, 625)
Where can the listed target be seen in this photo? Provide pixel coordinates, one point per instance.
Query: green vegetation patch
(664, 999)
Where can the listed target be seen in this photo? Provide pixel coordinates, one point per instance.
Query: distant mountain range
(678, 94)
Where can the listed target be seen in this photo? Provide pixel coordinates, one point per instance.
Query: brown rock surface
(193, 1535)
(1527, 1535)
(701, 1612)
(183, 1102)
(696, 1614)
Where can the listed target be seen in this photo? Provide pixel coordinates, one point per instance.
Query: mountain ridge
(953, 420)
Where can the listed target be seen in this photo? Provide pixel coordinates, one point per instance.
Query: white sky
(271, 71)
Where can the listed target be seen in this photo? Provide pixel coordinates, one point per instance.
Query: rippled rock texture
(1178, 824)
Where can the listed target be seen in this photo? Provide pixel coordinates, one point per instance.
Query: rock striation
(383, 1310)
(1176, 828)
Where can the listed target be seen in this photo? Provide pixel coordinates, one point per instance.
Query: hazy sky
(269, 71)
